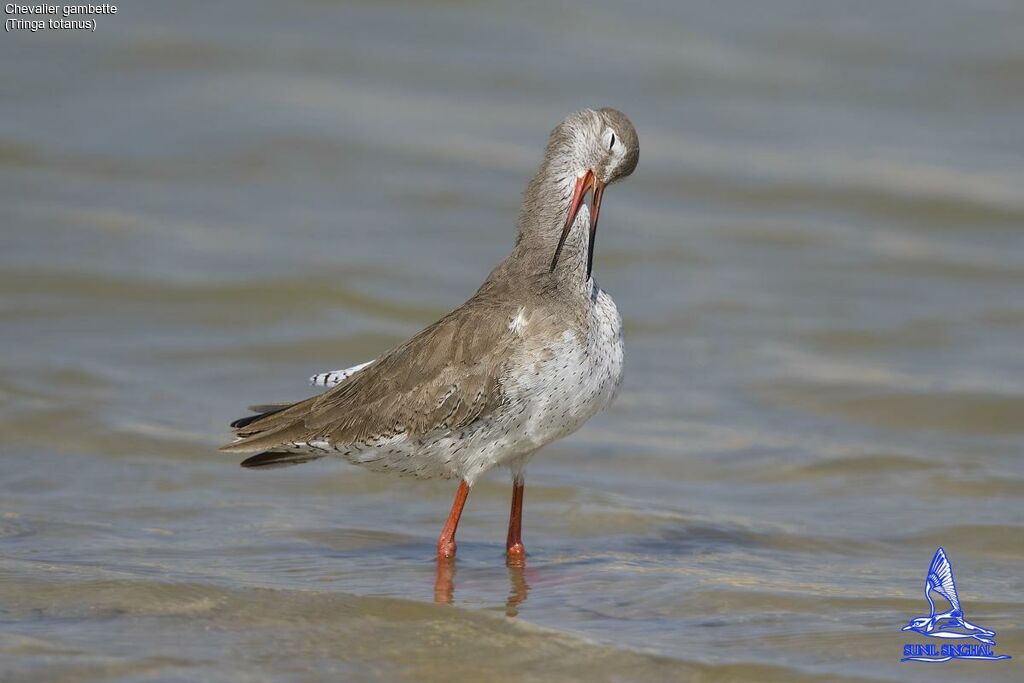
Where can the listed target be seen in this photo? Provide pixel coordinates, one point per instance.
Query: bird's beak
(583, 185)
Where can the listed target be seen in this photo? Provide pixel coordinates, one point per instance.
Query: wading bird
(527, 360)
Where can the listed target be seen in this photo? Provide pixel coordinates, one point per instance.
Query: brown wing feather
(445, 377)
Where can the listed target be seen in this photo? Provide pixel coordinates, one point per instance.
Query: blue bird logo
(951, 623)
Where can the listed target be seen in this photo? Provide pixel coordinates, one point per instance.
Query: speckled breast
(578, 375)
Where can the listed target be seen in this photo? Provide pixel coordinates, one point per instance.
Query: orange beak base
(583, 185)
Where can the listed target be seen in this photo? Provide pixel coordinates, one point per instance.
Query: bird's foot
(515, 555)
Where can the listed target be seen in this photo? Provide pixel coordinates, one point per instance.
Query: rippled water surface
(820, 262)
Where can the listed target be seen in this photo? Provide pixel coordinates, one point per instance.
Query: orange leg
(446, 543)
(515, 553)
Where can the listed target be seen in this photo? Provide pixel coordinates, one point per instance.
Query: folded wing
(444, 378)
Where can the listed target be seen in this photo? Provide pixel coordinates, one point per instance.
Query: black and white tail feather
(335, 377)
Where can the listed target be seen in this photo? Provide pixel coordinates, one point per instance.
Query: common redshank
(527, 360)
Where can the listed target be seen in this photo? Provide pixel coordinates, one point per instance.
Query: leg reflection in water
(444, 580)
(444, 584)
(519, 588)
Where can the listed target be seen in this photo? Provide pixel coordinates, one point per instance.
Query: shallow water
(820, 261)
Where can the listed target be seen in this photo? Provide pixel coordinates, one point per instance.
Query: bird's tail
(268, 460)
(276, 427)
(261, 411)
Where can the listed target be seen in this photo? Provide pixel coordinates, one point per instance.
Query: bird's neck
(541, 220)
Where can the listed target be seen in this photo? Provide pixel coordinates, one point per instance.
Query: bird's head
(919, 624)
(589, 150)
(601, 141)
